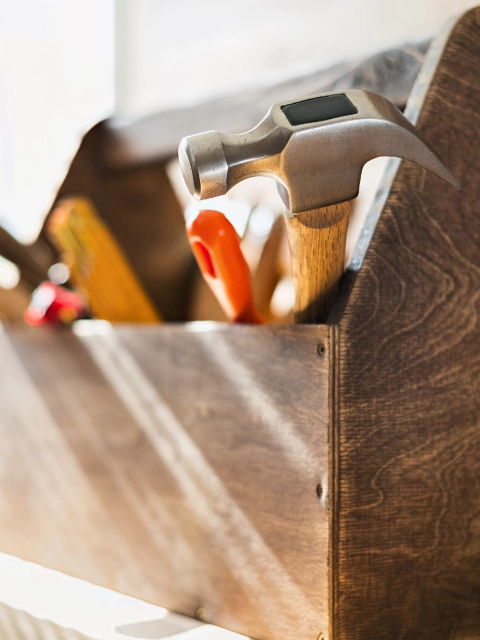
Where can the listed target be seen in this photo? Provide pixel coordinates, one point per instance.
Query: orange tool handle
(216, 247)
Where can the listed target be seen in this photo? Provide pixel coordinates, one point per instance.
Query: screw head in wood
(201, 614)
(321, 349)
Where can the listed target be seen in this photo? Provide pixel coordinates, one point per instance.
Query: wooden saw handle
(317, 247)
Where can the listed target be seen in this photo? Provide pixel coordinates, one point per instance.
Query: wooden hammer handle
(317, 247)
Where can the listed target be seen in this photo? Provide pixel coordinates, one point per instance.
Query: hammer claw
(315, 148)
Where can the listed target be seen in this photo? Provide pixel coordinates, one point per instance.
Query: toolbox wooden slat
(184, 464)
(139, 207)
(155, 137)
(135, 476)
(407, 545)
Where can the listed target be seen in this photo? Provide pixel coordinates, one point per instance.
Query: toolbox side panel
(408, 430)
(186, 465)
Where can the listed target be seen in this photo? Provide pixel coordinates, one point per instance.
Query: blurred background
(66, 65)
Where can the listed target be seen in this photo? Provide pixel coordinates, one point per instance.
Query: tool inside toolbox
(137, 193)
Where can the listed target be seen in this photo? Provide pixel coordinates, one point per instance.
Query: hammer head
(314, 148)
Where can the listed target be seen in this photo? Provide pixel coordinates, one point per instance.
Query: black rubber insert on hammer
(319, 109)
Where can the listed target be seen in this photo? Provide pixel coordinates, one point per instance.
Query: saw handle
(317, 241)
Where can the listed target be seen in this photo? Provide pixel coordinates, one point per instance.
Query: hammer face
(203, 165)
(315, 148)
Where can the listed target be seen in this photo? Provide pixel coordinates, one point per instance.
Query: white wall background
(176, 51)
(56, 81)
(59, 60)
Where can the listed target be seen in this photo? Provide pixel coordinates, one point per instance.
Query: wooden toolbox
(294, 482)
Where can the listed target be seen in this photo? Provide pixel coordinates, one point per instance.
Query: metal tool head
(315, 148)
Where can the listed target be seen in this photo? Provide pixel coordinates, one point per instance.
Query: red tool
(55, 305)
(216, 247)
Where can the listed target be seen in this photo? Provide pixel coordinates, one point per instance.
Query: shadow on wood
(289, 481)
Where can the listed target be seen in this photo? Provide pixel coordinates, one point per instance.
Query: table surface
(39, 603)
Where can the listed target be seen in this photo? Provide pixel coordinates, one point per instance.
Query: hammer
(315, 149)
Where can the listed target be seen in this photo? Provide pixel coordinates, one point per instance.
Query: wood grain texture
(179, 464)
(407, 526)
(317, 241)
(268, 271)
(140, 208)
(175, 464)
(98, 266)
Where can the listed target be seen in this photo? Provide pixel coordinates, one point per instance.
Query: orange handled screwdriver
(216, 247)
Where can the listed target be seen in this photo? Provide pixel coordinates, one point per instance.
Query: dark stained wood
(178, 464)
(407, 520)
(31, 271)
(120, 168)
(140, 208)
